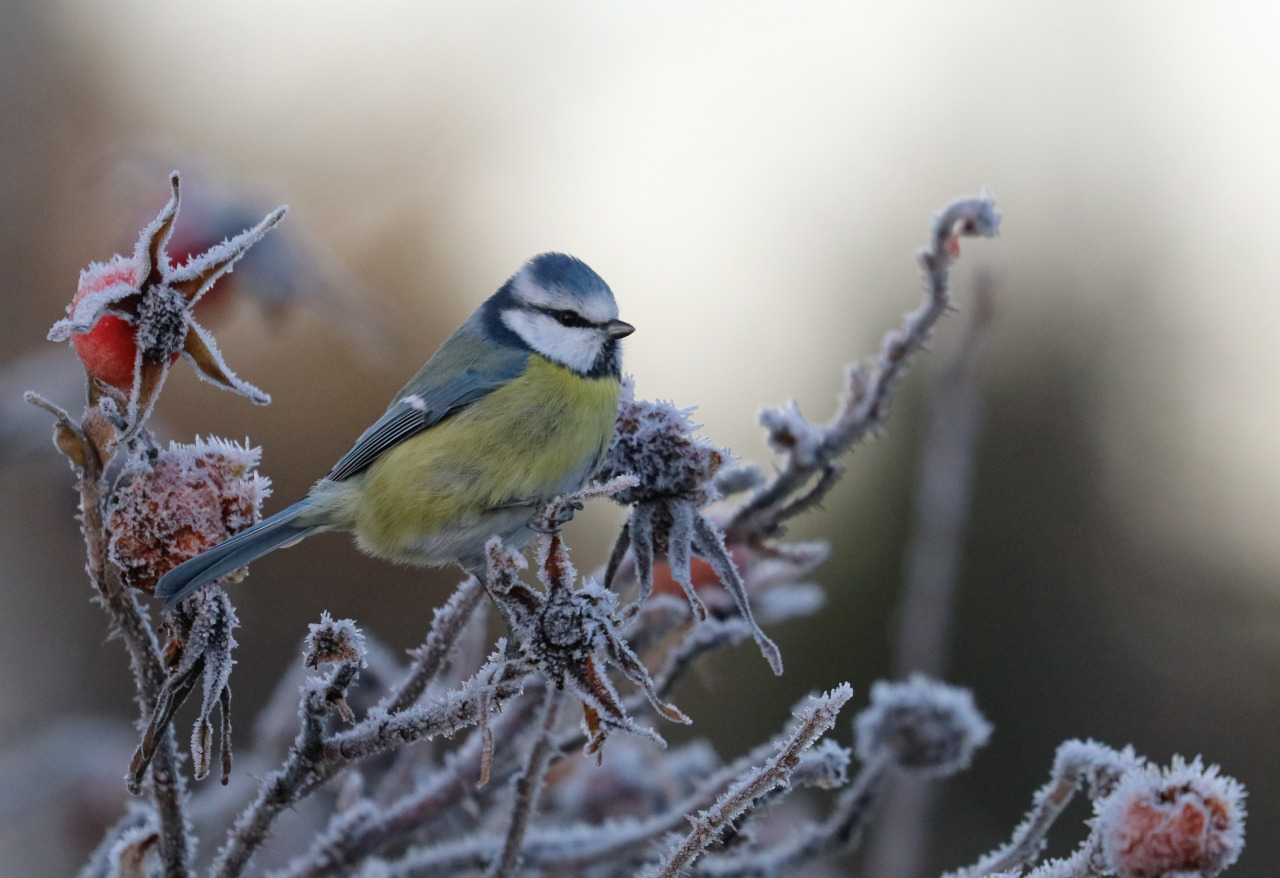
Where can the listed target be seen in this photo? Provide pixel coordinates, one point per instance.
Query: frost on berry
(108, 350)
(922, 726)
(1185, 819)
(131, 316)
(172, 506)
(331, 641)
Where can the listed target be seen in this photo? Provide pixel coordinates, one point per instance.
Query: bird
(516, 408)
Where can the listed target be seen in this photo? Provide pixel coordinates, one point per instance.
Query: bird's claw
(555, 516)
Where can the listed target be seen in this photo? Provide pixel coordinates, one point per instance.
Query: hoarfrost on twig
(812, 722)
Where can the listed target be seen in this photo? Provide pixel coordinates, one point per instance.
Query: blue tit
(515, 408)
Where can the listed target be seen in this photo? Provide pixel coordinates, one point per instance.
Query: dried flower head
(181, 502)
(570, 633)
(1183, 820)
(333, 640)
(676, 471)
(654, 441)
(131, 316)
(922, 725)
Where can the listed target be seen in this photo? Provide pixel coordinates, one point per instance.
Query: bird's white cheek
(575, 347)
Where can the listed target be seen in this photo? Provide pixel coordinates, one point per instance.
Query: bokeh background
(752, 179)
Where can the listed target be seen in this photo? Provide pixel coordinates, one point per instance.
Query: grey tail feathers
(266, 536)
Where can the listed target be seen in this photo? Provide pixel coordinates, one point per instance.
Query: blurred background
(752, 179)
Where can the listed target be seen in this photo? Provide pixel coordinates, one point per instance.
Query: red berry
(108, 350)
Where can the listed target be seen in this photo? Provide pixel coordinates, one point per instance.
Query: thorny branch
(365, 830)
(437, 811)
(616, 842)
(528, 786)
(315, 759)
(813, 451)
(89, 445)
(814, 721)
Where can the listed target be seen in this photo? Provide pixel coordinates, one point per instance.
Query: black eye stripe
(567, 318)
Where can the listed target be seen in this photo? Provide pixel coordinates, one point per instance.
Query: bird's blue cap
(567, 274)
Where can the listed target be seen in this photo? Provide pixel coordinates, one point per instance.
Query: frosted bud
(922, 725)
(1183, 820)
(654, 441)
(333, 640)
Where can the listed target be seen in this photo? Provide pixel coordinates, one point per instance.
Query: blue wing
(465, 369)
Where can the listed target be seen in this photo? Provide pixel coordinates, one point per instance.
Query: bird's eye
(568, 318)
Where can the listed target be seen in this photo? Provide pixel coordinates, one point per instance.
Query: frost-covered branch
(812, 451)
(813, 722)
(367, 828)
(519, 793)
(1184, 819)
(446, 625)
(89, 446)
(618, 842)
(304, 767)
(528, 786)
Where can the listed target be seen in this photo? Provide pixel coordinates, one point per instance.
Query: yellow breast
(541, 435)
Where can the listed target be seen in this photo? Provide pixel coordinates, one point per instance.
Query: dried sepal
(710, 546)
(199, 649)
(200, 348)
(135, 853)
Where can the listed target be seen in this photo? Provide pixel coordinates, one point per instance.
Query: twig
(314, 760)
(811, 450)
(304, 768)
(579, 845)
(814, 721)
(528, 786)
(358, 834)
(839, 833)
(83, 446)
(446, 626)
(1076, 762)
(701, 639)
(932, 571)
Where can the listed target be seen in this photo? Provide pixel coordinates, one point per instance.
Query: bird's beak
(618, 329)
